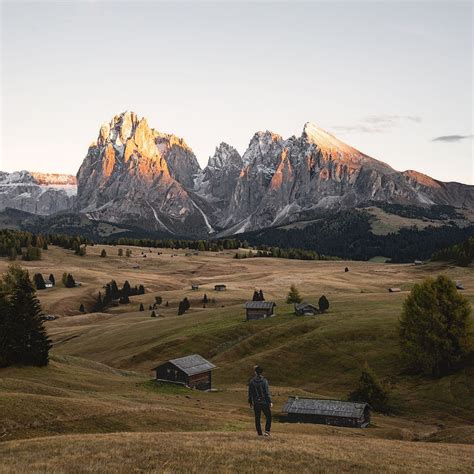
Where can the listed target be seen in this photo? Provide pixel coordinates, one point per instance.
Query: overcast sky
(392, 79)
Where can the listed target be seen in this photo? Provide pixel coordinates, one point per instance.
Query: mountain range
(135, 175)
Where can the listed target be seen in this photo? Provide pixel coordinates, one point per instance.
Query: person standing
(260, 400)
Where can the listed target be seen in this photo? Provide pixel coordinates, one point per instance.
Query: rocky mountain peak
(325, 141)
(225, 155)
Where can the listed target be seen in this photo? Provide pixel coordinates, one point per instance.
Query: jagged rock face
(218, 179)
(285, 180)
(20, 190)
(137, 175)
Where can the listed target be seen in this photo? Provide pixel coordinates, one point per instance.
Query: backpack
(259, 392)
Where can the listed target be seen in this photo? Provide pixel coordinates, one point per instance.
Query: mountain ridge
(137, 175)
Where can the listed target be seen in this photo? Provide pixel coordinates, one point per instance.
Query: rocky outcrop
(137, 175)
(21, 190)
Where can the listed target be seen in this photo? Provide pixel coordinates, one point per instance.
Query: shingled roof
(193, 364)
(311, 406)
(259, 305)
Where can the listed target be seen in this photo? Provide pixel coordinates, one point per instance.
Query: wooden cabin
(327, 412)
(259, 309)
(394, 290)
(48, 284)
(192, 371)
(194, 287)
(306, 309)
(418, 262)
(220, 287)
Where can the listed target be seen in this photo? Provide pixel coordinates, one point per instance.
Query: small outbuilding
(194, 286)
(192, 371)
(327, 412)
(394, 290)
(459, 285)
(306, 309)
(48, 284)
(418, 262)
(259, 309)
(220, 287)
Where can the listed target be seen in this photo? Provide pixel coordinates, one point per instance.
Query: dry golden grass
(95, 399)
(229, 452)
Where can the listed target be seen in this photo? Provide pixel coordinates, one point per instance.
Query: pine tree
(124, 299)
(70, 282)
(23, 338)
(256, 296)
(153, 314)
(435, 327)
(323, 304)
(114, 290)
(126, 288)
(141, 290)
(158, 300)
(51, 279)
(39, 281)
(82, 309)
(120, 252)
(260, 293)
(103, 253)
(64, 278)
(141, 307)
(293, 295)
(204, 299)
(187, 304)
(128, 253)
(370, 390)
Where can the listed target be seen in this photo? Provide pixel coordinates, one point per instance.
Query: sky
(393, 79)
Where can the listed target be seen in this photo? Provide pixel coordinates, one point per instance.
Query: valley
(96, 408)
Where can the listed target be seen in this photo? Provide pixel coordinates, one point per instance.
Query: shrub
(323, 304)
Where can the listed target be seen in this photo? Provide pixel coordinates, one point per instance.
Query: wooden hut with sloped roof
(192, 371)
(259, 309)
(328, 412)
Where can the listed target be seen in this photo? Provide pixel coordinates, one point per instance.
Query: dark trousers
(258, 408)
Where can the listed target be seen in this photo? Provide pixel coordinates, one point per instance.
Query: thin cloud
(378, 123)
(451, 138)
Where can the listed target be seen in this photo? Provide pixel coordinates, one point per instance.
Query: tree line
(461, 254)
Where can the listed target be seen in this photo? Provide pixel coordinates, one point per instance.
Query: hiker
(260, 400)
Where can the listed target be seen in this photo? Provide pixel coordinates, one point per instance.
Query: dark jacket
(259, 392)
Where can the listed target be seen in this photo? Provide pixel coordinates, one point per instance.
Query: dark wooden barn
(259, 309)
(220, 287)
(327, 412)
(306, 309)
(193, 371)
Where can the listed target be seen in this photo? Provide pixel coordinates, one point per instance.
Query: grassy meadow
(95, 407)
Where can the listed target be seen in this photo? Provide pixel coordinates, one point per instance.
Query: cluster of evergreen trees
(462, 254)
(348, 235)
(258, 296)
(23, 338)
(113, 293)
(27, 246)
(183, 306)
(277, 252)
(202, 245)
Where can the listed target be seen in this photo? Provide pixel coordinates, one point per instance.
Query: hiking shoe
(267, 433)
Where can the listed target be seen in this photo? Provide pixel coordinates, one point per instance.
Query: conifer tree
(293, 295)
(370, 390)
(23, 338)
(256, 296)
(103, 253)
(52, 279)
(70, 282)
(39, 281)
(120, 252)
(204, 299)
(260, 293)
(126, 288)
(82, 309)
(153, 314)
(434, 327)
(141, 307)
